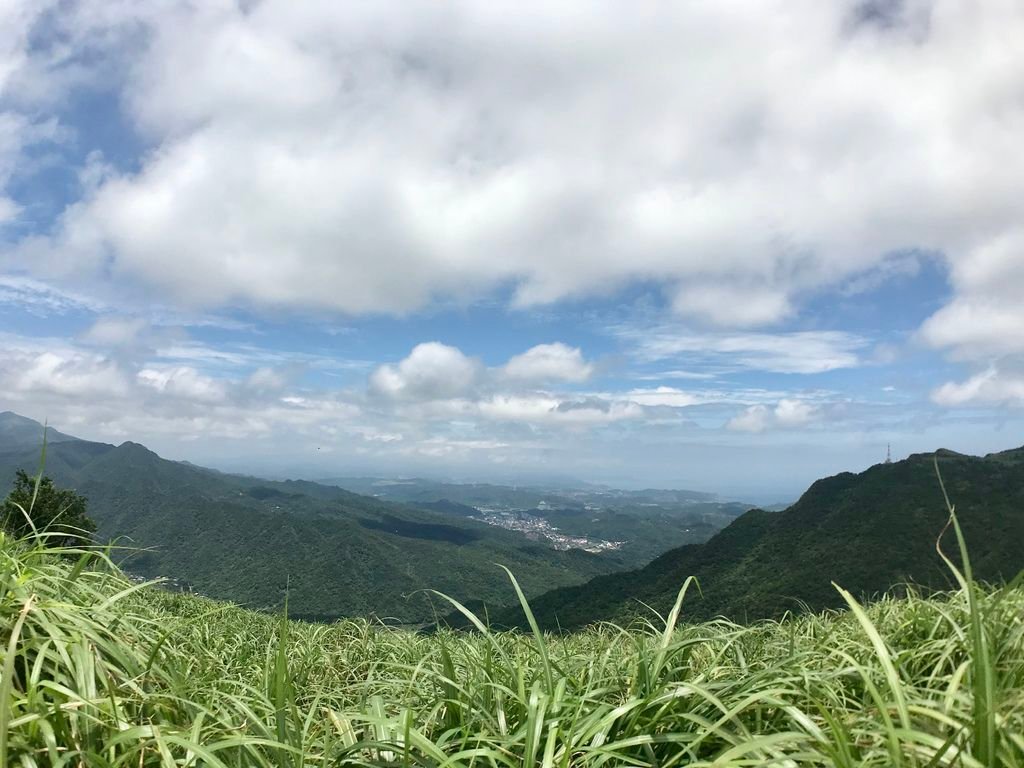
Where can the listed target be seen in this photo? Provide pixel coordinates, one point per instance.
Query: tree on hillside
(54, 511)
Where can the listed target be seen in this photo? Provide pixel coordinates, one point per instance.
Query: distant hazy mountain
(248, 540)
(19, 432)
(867, 532)
(521, 496)
(642, 524)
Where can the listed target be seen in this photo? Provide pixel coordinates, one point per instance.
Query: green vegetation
(870, 532)
(340, 554)
(647, 522)
(36, 504)
(98, 670)
(647, 530)
(246, 540)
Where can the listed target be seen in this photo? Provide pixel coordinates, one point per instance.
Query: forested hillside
(869, 532)
(249, 540)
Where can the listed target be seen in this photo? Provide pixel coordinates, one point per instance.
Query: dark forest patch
(413, 530)
(262, 493)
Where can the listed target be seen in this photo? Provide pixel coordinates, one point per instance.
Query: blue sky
(731, 248)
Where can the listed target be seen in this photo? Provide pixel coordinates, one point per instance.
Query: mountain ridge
(17, 431)
(244, 539)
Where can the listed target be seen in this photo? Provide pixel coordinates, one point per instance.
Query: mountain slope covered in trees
(869, 532)
(249, 540)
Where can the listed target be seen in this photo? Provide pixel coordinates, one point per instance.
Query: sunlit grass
(100, 671)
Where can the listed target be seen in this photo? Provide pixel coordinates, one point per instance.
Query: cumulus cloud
(787, 414)
(184, 382)
(74, 375)
(348, 157)
(432, 371)
(76, 383)
(983, 324)
(435, 393)
(549, 362)
(756, 418)
(438, 385)
(794, 413)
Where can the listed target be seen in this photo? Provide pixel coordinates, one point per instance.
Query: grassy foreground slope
(100, 671)
(869, 532)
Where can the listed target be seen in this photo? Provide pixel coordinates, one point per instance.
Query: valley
(336, 553)
(638, 524)
(537, 527)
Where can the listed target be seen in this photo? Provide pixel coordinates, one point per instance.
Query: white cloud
(756, 418)
(673, 374)
(266, 379)
(549, 362)
(21, 128)
(984, 324)
(344, 157)
(183, 382)
(71, 374)
(976, 329)
(119, 398)
(519, 407)
(804, 352)
(347, 157)
(737, 305)
(438, 384)
(115, 331)
(990, 387)
(547, 409)
(432, 371)
(787, 414)
(986, 317)
(670, 396)
(35, 296)
(238, 412)
(794, 413)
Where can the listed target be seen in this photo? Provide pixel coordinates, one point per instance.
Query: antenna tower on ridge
(888, 453)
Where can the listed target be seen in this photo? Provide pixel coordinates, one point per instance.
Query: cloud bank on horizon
(629, 243)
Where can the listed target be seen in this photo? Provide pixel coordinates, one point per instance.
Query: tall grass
(101, 671)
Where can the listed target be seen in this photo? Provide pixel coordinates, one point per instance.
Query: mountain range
(249, 540)
(337, 553)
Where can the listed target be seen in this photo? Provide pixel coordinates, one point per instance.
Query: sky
(729, 246)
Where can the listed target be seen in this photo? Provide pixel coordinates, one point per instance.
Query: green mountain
(249, 540)
(868, 532)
